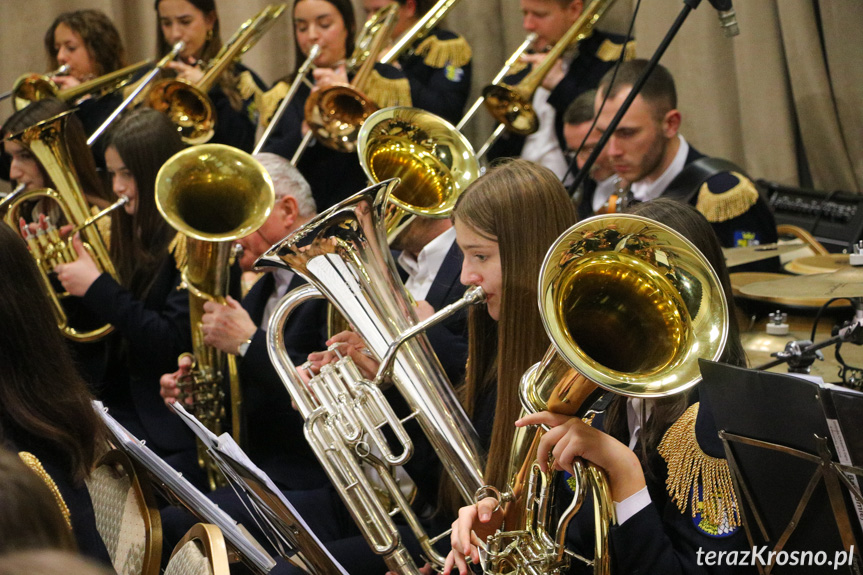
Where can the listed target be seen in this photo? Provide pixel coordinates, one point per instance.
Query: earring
(209, 34)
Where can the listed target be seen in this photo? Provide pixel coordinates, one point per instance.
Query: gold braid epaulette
(439, 53)
(610, 51)
(249, 89)
(33, 463)
(386, 92)
(177, 248)
(727, 205)
(268, 102)
(691, 473)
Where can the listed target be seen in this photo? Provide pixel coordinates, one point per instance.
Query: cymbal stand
(801, 354)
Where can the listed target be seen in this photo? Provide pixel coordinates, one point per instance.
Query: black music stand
(795, 476)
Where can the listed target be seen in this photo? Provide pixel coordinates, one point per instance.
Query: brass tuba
(631, 305)
(212, 194)
(433, 160)
(187, 104)
(343, 254)
(46, 141)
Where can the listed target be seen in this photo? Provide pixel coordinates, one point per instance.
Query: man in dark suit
(273, 435)
(647, 150)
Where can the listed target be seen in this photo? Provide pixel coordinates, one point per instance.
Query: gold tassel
(177, 247)
(610, 51)
(691, 473)
(727, 205)
(386, 92)
(268, 102)
(247, 87)
(438, 53)
(33, 463)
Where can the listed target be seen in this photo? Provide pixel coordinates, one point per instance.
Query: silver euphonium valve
(344, 256)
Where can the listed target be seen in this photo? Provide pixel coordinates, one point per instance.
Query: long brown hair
(43, 397)
(100, 36)
(524, 207)
(692, 225)
(144, 139)
(29, 515)
(76, 141)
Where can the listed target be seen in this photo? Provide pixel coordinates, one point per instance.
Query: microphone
(727, 17)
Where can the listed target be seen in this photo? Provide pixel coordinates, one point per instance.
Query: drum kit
(798, 321)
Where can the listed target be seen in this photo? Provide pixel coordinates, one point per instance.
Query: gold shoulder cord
(438, 53)
(697, 479)
(33, 463)
(727, 205)
(177, 248)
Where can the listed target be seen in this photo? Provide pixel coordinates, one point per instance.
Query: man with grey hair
(241, 330)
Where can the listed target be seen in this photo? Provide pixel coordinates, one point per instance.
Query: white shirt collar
(423, 269)
(645, 191)
(283, 279)
(634, 417)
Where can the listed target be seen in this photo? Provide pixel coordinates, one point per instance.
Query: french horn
(630, 305)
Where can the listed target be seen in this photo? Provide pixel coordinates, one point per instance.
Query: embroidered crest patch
(453, 73)
(699, 519)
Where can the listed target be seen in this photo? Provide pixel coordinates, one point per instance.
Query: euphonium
(433, 160)
(213, 195)
(511, 105)
(187, 104)
(631, 305)
(343, 254)
(46, 141)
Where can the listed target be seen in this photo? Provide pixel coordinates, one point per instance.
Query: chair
(127, 517)
(809, 241)
(201, 551)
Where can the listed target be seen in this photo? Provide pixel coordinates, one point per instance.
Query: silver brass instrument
(343, 254)
(187, 104)
(511, 105)
(292, 91)
(631, 305)
(46, 141)
(212, 194)
(135, 90)
(433, 160)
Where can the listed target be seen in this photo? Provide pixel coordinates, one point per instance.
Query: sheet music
(186, 492)
(842, 452)
(225, 447)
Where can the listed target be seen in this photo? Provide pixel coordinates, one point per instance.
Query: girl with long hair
(632, 442)
(149, 312)
(196, 22)
(45, 406)
(331, 25)
(89, 44)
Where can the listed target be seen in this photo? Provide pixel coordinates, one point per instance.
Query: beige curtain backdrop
(791, 84)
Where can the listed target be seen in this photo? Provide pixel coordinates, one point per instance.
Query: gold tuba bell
(212, 194)
(631, 305)
(433, 160)
(343, 254)
(46, 141)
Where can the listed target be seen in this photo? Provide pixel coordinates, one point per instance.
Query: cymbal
(749, 254)
(822, 264)
(846, 282)
(739, 280)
